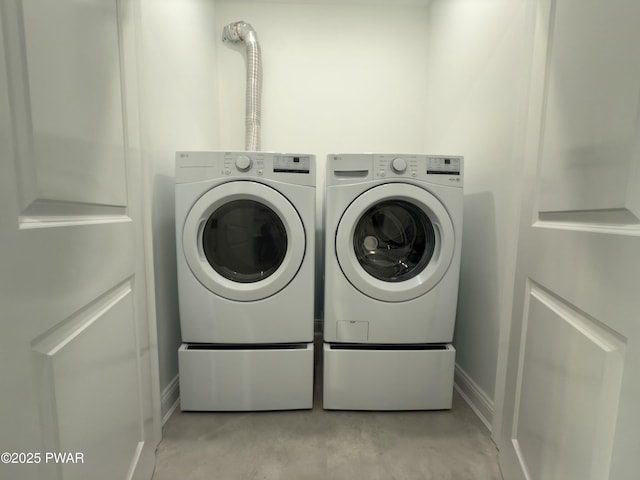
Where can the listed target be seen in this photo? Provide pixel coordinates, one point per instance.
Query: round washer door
(244, 241)
(395, 242)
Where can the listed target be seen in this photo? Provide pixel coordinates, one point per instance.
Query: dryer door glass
(244, 241)
(394, 240)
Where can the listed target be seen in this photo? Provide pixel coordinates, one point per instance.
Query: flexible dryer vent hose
(243, 32)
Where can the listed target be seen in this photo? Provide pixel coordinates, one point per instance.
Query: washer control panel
(396, 165)
(399, 165)
(441, 169)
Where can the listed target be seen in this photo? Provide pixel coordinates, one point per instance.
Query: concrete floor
(327, 445)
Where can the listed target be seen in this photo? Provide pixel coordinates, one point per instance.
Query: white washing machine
(245, 226)
(393, 226)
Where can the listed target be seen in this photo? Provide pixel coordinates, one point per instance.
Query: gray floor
(318, 445)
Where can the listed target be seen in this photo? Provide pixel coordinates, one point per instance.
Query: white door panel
(572, 386)
(79, 363)
(589, 158)
(69, 107)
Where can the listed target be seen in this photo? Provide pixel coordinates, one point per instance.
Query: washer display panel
(394, 240)
(244, 241)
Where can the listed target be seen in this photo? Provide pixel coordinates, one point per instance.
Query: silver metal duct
(243, 32)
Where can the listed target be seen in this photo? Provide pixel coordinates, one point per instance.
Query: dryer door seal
(244, 241)
(395, 242)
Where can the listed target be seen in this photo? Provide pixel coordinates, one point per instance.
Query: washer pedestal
(246, 377)
(388, 377)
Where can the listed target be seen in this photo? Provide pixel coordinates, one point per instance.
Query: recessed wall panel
(570, 381)
(591, 123)
(74, 132)
(89, 388)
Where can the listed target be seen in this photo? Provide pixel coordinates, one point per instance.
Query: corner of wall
(170, 398)
(475, 397)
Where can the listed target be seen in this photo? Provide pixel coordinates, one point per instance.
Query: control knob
(243, 163)
(399, 165)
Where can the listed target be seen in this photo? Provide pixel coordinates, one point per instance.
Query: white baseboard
(170, 399)
(479, 401)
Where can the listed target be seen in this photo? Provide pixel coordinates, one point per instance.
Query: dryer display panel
(394, 240)
(244, 241)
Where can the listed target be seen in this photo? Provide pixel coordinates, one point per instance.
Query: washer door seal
(395, 242)
(224, 239)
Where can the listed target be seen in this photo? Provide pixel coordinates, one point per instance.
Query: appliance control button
(260, 172)
(227, 171)
(243, 163)
(399, 165)
(382, 173)
(414, 174)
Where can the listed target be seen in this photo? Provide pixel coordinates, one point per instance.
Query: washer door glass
(394, 240)
(244, 241)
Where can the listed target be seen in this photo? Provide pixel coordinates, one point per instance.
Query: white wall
(178, 90)
(478, 75)
(336, 77)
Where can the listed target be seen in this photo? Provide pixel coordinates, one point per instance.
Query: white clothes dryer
(245, 226)
(393, 227)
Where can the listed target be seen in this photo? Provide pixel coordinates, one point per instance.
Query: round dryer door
(395, 242)
(244, 241)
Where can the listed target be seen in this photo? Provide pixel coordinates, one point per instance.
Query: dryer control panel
(291, 163)
(443, 165)
(396, 165)
(346, 168)
(438, 169)
(291, 168)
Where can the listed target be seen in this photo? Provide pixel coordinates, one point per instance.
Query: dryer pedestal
(246, 377)
(388, 377)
